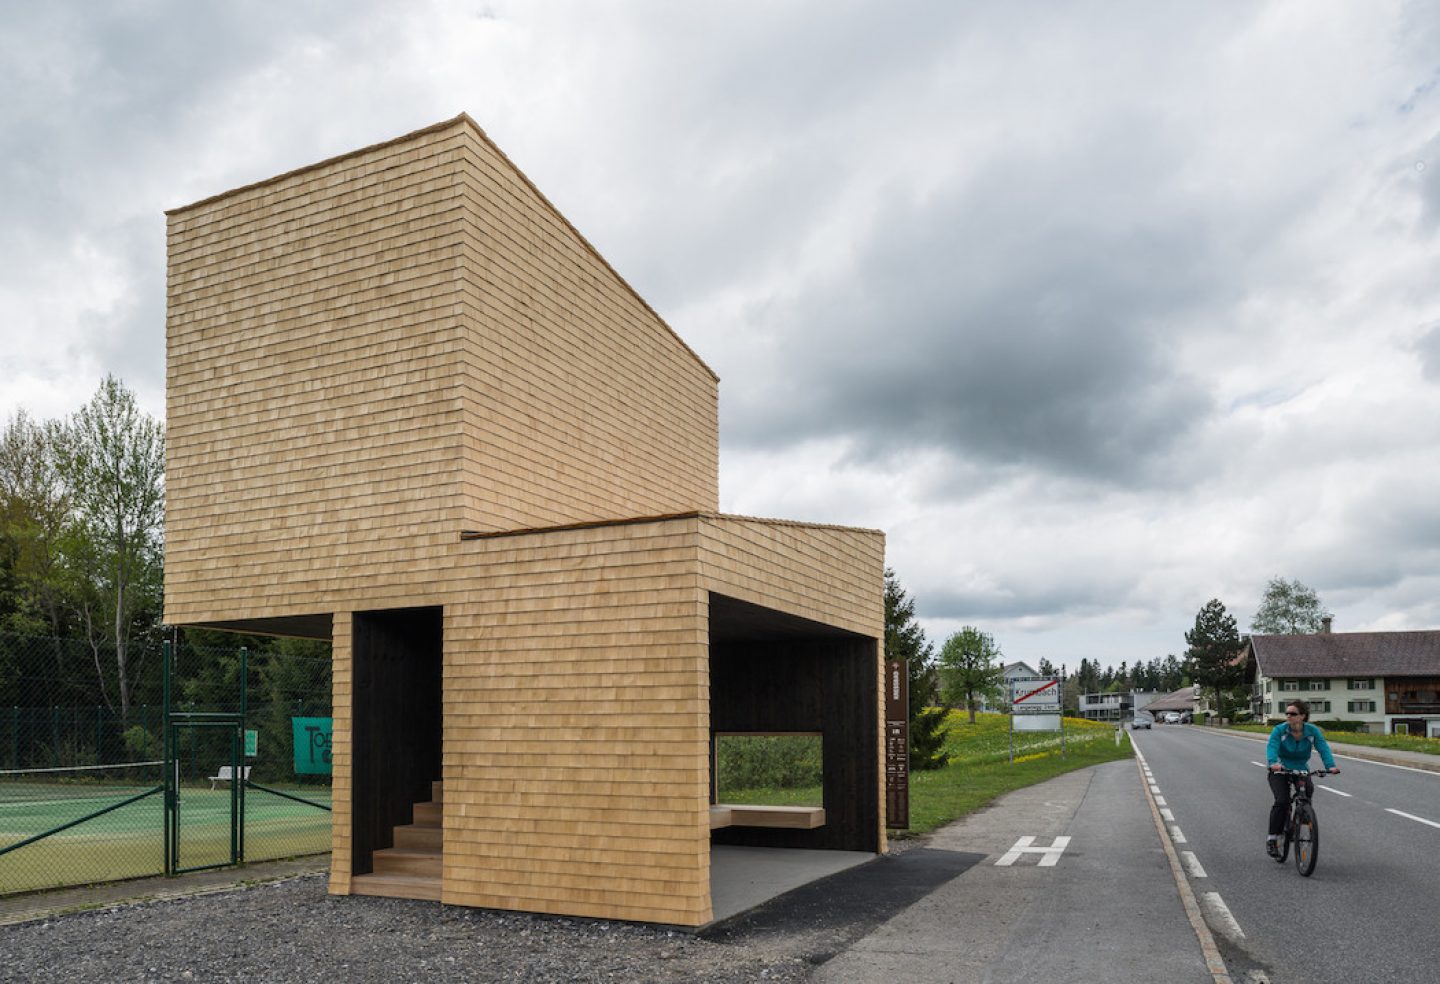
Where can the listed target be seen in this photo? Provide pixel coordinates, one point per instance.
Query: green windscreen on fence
(82, 776)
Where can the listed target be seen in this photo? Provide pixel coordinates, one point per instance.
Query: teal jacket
(1294, 753)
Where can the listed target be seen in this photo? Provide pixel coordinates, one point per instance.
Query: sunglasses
(1292, 714)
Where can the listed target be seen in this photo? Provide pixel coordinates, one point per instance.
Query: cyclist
(1290, 747)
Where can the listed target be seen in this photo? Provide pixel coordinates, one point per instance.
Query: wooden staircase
(410, 869)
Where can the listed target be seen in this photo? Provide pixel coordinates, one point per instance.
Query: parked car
(1185, 717)
(1141, 721)
(1172, 717)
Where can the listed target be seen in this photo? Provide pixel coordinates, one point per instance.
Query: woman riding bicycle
(1290, 747)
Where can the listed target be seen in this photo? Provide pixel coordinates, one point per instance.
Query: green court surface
(129, 842)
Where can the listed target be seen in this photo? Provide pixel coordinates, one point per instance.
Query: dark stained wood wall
(821, 684)
(397, 722)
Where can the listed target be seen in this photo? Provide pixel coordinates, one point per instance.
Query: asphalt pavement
(1075, 884)
(1367, 912)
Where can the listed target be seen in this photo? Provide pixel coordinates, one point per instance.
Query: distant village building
(1116, 706)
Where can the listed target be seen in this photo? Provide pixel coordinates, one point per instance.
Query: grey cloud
(1428, 348)
(1033, 333)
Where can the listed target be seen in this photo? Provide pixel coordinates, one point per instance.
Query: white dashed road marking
(1192, 864)
(1411, 816)
(1176, 835)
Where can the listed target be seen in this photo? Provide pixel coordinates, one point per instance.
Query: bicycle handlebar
(1304, 772)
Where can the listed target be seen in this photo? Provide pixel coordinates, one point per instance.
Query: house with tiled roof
(1388, 682)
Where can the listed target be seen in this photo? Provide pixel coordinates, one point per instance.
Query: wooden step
(428, 814)
(424, 862)
(396, 886)
(416, 836)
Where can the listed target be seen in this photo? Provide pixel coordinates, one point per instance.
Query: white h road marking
(1049, 856)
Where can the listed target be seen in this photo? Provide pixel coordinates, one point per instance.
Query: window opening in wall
(1289, 684)
(1362, 684)
(1317, 684)
(770, 769)
(1362, 707)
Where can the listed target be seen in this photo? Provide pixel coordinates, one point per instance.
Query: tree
(112, 460)
(968, 668)
(35, 520)
(1288, 608)
(905, 641)
(1214, 644)
(1047, 668)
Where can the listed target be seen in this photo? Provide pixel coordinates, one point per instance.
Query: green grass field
(980, 768)
(129, 842)
(1408, 743)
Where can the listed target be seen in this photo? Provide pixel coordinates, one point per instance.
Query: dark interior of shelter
(776, 673)
(397, 722)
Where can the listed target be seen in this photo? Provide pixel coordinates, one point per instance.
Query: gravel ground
(294, 931)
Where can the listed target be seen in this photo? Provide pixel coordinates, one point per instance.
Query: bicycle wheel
(1282, 846)
(1307, 839)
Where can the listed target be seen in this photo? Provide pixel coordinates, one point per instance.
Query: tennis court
(129, 840)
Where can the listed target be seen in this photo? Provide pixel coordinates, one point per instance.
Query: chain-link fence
(84, 795)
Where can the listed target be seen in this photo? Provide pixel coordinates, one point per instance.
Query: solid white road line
(1411, 816)
(1193, 863)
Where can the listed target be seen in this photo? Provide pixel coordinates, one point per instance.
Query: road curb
(1214, 962)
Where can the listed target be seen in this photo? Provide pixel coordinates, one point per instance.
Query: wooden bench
(227, 774)
(787, 817)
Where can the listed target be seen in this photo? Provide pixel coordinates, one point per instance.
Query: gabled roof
(1177, 700)
(1355, 654)
(1011, 667)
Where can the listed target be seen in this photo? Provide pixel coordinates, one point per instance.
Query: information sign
(897, 745)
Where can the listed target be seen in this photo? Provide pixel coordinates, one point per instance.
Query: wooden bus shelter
(412, 411)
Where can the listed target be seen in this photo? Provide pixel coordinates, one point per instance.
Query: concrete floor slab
(744, 877)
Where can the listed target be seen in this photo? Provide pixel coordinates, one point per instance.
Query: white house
(1389, 682)
(1117, 706)
(1012, 672)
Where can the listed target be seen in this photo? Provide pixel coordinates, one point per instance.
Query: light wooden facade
(373, 355)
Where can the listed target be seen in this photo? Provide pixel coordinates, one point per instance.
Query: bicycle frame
(1301, 824)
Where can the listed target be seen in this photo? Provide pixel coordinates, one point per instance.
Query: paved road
(1106, 910)
(1369, 911)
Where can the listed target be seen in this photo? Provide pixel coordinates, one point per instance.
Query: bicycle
(1300, 823)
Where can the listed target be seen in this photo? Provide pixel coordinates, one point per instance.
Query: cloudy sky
(1098, 309)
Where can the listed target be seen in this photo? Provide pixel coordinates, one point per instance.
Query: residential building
(1387, 682)
(1000, 703)
(1119, 705)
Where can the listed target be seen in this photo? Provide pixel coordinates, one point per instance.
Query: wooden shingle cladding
(581, 403)
(314, 420)
(576, 705)
(372, 354)
(823, 573)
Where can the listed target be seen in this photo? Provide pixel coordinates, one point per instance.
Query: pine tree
(1214, 643)
(905, 641)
